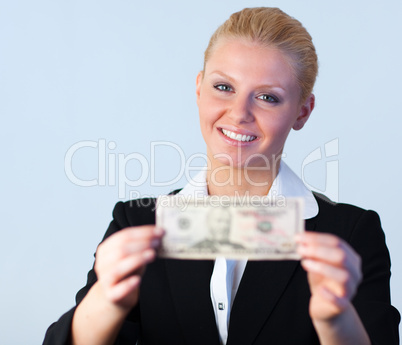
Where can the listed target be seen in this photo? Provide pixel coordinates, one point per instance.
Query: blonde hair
(273, 28)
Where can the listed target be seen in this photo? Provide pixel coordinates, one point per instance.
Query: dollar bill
(205, 228)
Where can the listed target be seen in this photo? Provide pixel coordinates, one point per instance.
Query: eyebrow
(233, 80)
(223, 75)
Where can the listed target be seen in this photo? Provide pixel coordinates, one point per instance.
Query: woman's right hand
(120, 263)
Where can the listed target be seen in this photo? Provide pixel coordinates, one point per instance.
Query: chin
(229, 162)
(244, 163)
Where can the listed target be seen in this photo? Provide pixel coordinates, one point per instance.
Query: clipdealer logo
(112, 166)
(329, 156)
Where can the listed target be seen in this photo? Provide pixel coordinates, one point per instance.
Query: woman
(256, 85)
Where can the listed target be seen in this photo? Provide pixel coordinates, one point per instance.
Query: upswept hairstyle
(273, 28)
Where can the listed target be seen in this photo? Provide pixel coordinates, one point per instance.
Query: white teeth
(238, 137)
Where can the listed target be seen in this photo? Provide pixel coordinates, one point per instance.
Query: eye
(223, 87)
(268, 98)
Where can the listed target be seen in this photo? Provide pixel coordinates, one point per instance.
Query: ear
(305, 111)
(198, 83)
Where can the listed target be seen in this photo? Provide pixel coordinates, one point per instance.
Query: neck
(226, 180)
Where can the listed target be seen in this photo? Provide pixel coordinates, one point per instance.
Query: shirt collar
(286, 184)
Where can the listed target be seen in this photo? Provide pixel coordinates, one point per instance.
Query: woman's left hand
(334, 273)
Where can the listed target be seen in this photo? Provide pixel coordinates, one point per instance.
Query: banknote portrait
(219, 222)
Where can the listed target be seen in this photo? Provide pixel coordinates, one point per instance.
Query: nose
(241, 109)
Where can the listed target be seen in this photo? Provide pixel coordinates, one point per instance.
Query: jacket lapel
(260, 289)
(189, 281)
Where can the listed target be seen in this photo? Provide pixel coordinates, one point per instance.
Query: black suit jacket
(271, 304)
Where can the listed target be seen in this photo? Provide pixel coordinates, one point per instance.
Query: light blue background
(124, 72)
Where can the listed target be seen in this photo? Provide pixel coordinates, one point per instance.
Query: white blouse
(227, 274)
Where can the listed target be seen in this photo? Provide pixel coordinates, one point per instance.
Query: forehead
(238, 58)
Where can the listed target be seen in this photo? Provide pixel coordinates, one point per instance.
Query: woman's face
(248, 100)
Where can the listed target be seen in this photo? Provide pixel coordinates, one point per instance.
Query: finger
(110, 259)
(125, 243)
(339, 280)
(131, 234)
(141, 245)
(310, 237)
(128, 241)
(313, 239)
(341, 257)
(334, 255)
(124, 288)
(144, 230)
(340, 303)
(128, 266)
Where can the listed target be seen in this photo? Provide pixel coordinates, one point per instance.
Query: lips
(237, 136)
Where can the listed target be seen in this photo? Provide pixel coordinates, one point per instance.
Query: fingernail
(155, 243)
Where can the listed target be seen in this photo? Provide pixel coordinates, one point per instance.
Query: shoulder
(328, 207)
(135, 212)
(343, 219)
(340, 212)
(132, 213)
(359, 227)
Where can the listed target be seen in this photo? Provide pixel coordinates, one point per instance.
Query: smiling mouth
(238, 137)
